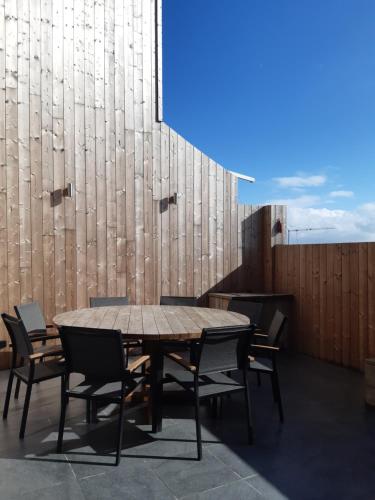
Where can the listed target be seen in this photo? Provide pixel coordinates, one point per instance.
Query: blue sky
(282, 90)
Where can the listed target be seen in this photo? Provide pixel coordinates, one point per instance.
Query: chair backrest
(18, 335)
(178, 301)
(31, 316)
(222, 349)
(252, 310)
(276, 328)
(97, 354)
(108, 301)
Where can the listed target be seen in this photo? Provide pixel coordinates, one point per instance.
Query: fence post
(274, 232)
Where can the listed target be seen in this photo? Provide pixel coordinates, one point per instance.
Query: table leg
(156, 383)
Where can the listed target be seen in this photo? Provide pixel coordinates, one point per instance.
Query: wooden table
(153, 324)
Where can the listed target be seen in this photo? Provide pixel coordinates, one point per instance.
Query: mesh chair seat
(261, 364)
(209, 385)
(42, 371)
(102, 390)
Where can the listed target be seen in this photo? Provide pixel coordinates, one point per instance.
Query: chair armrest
(137, 363)
(47, 351)
(39, 338)
(270, 348)
(181, 361)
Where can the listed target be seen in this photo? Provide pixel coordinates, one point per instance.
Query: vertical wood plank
(173, 228)
(79, 150)
(164, 208)
(69, 126)
(197, 223)
(205, 197)
(181, 217)
(90, 146)
(189, 220)
(220, 226)
(3, 175)
(12, 152)
(212, 234)
(23, 109)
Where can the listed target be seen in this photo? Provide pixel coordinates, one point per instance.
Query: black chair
(36, 327)
(97, 354)
(219, 350)
(31, 373)
(263, 356)
(34, 322)
(108, 301)
(178, 301)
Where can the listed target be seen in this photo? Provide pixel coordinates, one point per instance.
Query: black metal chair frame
(206, 372)
(268, 350)
(34, 322)
(30, 373)
(36, 327)
(97, 371)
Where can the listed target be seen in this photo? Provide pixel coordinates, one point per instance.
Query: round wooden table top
(152, 322)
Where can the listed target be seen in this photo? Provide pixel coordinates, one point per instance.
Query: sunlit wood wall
(81, 103)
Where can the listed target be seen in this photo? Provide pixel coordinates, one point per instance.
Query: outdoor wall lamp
(59, 194)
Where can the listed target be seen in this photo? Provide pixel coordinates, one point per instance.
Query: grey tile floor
(324, 450)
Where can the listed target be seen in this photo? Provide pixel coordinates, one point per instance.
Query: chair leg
(277, 393)
(64, 402)
(9, 391)
(214, 406)
(120, 431)
(88, 411)
(18, 384)
(197, 420)
(27, 402)
(248, 408)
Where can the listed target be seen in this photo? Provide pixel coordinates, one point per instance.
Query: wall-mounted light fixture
(173, 199)
(59, 194)
(68, 191)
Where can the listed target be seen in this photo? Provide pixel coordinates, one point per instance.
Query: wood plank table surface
(153, 325)
(152, 322)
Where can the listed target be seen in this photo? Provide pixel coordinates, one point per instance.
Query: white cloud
(349, 225)
(300, 181)
(300, 201)
(341, 194)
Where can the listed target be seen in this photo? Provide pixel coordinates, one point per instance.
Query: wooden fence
(334, 290)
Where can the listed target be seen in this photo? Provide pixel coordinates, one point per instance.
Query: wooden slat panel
(69, 123)
(212, 242)
(80, 163)
(110, 144)
(11, 131)
(90, 144)
(164, 209)
(181, 217)
(197, 223)
(205, 236)
(189, 219)
(173, 224)
(23, 109)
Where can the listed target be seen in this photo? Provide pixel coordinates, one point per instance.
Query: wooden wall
(81, 102)
(334, 289)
